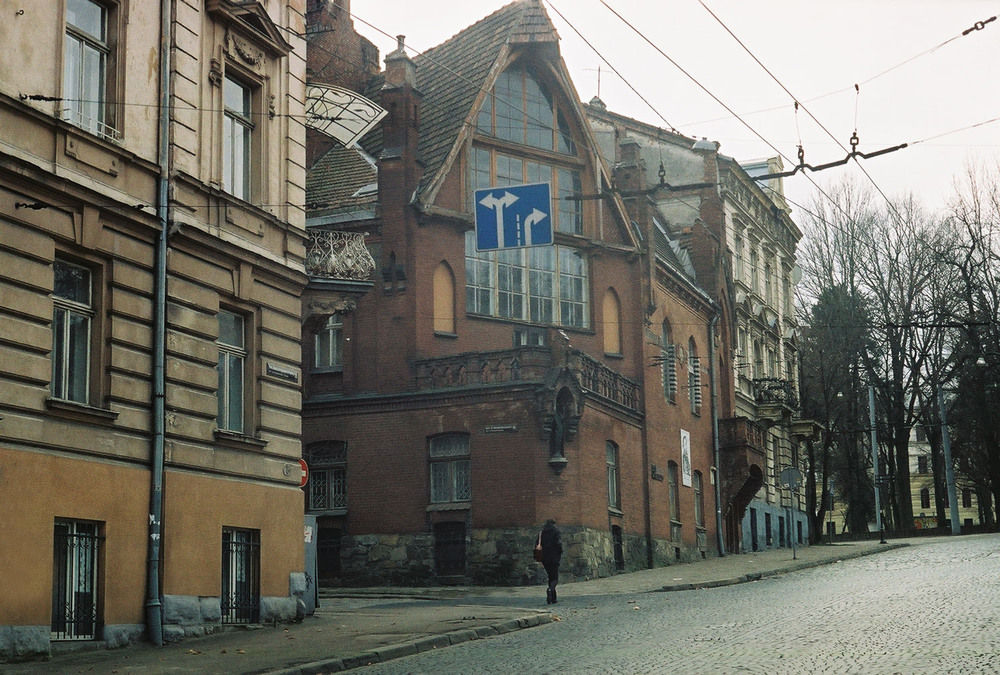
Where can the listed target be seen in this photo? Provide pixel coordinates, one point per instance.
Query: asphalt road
(933, 607)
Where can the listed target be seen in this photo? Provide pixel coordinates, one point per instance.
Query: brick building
(150, 282)
(471, 395)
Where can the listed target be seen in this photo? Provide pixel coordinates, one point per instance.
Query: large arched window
(611, 313)
(520, 109)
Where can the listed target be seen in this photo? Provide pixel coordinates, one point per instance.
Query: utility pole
(949, 469)
(878, 481)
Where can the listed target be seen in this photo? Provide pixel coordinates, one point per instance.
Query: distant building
(150, 300)
(929, 490)
(737, 238)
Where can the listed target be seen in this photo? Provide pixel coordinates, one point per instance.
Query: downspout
(154, 608)
(716, 456)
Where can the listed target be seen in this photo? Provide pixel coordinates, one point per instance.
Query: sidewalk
(353, 627)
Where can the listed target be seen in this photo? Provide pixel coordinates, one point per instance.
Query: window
(673, 492)
(925, 498)
(614, 496)
(699, 501)
(444, 300)
(327, 487)
(768, 284)
(330, 344)
(450, 469)
(491, 168)
(669, 356)
(87, 77)
(72, 314)
(921, 435)
(75, 577)
(738, 254)
(966, 498)
(521, 110)
(240, 575)
(754, 282)
(922, 464)
(546, 284)
(237, 129)
(694, 378)
(612, 323)
(232, 359)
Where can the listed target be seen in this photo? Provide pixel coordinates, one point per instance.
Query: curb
(425, 644)
(757, 576)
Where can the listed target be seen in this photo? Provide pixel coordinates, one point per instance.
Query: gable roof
(337, 181)
(459, 71)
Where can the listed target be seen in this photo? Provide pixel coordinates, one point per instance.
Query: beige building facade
(152, 241)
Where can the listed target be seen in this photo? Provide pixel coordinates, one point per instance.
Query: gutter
(154, 607)
(716, 455)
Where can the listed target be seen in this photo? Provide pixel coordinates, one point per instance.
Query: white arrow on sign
(498, 205)
(533, 218)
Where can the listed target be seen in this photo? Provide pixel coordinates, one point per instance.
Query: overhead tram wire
(979, 25)
(718, 100)
(802, 105)
(613, 69)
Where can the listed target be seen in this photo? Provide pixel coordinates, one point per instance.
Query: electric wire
(808, 112)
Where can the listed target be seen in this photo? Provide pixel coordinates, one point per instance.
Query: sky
(919, 80)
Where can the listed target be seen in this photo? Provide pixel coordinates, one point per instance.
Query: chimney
(401, 126)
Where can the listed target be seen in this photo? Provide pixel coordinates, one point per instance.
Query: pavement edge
(425, 644)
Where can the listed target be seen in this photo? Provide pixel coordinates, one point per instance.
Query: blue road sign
(512, 217)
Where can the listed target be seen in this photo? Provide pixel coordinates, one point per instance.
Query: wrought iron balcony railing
(773, 390)
(338, 255)
(524, 364)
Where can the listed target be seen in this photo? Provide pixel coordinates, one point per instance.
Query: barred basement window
(450, 469)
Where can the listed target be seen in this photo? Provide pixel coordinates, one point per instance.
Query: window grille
(240, 576)
(75, 577)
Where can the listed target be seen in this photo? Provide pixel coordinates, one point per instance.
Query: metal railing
(338, 255)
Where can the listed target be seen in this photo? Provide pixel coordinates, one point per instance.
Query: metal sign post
(791, 479)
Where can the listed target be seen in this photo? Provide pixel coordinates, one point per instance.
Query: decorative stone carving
(215, 72)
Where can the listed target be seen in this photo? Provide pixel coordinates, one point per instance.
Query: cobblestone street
(930, 608)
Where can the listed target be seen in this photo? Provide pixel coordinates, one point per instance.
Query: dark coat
(551, 545)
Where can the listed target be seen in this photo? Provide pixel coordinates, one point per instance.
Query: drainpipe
(154, 608)
(715, 430)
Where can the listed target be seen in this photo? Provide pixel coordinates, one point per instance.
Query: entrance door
(753, 529)
(449, 549)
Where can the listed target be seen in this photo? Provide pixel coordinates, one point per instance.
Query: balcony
(529, 365)
(338, 255)
(776, 400)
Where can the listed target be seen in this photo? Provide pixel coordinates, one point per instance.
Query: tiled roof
(334, 179)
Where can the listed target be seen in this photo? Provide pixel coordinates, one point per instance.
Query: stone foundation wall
(497, 557)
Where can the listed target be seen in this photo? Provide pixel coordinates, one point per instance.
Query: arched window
(614, 490)
(668, 354)
(694, 377)
(444, 300)
(521, 110)
(612, 323)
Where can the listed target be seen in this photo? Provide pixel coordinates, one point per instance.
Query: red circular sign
(305, 473)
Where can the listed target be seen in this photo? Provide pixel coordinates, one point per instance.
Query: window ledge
(327, 512)
(81, 411)
(235, 439)
(328, 369)
(614, 355)
(616, 512)
(445, 334)
(450, 506)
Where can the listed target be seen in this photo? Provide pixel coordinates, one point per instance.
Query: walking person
(551, 555)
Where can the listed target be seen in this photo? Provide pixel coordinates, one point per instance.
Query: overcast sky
(817, 49)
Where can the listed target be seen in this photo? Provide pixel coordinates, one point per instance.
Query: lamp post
(949, 470)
